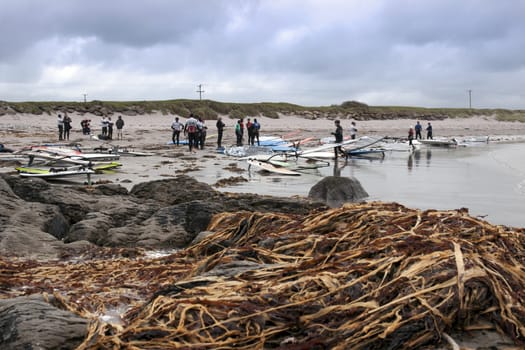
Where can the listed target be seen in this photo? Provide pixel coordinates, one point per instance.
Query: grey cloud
(314, 52)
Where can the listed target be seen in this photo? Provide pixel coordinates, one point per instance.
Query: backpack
(192, 128)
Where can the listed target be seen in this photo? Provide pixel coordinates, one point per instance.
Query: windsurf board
(271, 167)
(53, 172)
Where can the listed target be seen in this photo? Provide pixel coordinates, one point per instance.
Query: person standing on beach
(410, 136)
(353, 131)
(202, 132)
(429, 131)
(190, 129)
(67, 126)
(418, 129)
(249, 128)
(176, 126)
(242, 130)
(220, 128)
(110, 129)
(238, 132)
(60, 124)
(104, 125)
(338, 138)
(86, 130)
(256, 128)
(119, 124)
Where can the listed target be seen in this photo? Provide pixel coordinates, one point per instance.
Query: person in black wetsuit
(220, 128)
(429, 131)
(338, 138)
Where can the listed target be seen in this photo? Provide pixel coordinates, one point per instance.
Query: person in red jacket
(410, 136)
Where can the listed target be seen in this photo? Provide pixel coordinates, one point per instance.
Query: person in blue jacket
(418, 129)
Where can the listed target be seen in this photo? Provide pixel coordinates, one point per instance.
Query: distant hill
(209, 109)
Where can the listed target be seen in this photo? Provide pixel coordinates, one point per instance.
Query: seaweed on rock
(364, 276)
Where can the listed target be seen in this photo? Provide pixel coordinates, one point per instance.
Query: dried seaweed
(365, 276)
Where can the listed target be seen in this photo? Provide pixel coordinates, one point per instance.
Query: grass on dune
(210, 109)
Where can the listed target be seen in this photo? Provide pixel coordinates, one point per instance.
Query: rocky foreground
(164, 214)
(249, 272)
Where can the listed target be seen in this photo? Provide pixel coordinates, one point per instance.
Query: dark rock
(253, 202)
(45, 219)
(57, 226)
(201, 236)
(199, 214)
(170, 227)
(29, 229)
(75, 202)
(110, 190)
(181, 189)
(94, 228)
(335, 190)
(33, 323)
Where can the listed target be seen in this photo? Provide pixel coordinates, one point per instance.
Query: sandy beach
(453, 179)
(154, 130)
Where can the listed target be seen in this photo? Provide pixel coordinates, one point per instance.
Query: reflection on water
(338, 166)
(521, 187)
(429, 156)
(488, 179)
(415, 158)
(484, 179)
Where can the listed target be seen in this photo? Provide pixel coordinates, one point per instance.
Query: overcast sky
(426, 53)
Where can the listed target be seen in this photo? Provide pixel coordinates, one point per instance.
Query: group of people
(194, 129)
(252, 129)
(417, 132)
(107, 128)
(64, 126)
(85, 124)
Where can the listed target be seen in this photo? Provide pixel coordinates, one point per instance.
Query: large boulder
(29, 229)
(33, 323)
(75, 202)
(336, 190)
(47, 219)
(169, 227)
(176, 190)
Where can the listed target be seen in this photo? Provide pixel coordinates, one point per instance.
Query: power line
(200, 91)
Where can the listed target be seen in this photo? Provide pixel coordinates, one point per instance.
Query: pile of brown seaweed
(365, 276)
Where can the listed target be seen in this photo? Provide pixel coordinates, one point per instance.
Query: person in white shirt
(190, 128)
(104, 123)
(353, 131)
(60, 124)
(176, 126)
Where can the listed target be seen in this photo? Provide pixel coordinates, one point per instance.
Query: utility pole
(85, 98)
(470, 99)
(200, 91)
